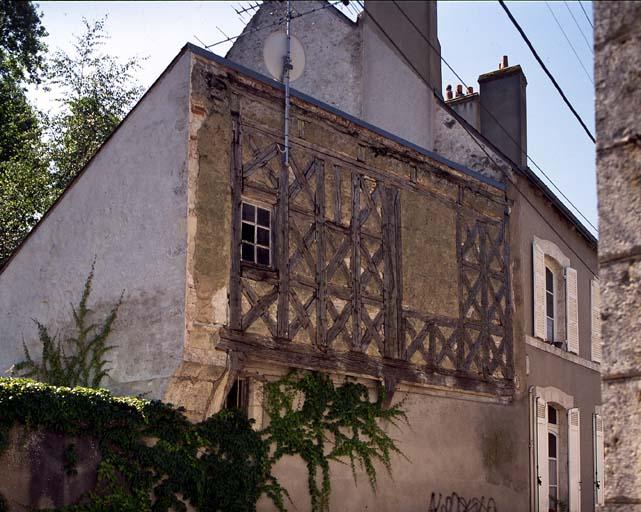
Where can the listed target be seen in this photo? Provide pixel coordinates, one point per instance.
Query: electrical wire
(586, 14)
(567, 6)
(558, 23)
(521, 193)
(505, 131)
(547, 71)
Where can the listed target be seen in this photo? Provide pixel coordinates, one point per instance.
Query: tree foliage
(21, 47)
(25, 188)
(96, 92)
(77, 360)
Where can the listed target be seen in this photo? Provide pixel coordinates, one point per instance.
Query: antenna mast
(287, 66)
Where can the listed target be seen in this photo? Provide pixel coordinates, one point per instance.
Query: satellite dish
(274, 53)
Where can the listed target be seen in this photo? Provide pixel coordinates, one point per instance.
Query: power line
(586, 14)
(569, 42)
(507, 133)
(521, 193)
(547, 72)
(567, 6)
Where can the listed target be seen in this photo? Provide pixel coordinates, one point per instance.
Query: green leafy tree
(21, 47)
(25, 191)
(79, 359)
(96, 92)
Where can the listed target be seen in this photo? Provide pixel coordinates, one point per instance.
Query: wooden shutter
(595, 324)
(599, 462)
(538, 286)
(574, 459)
(543, 475)
(572, 310)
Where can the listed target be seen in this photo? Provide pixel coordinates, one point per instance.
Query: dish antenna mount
(284, 58)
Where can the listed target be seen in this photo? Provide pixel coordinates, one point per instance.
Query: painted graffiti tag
(456, 503)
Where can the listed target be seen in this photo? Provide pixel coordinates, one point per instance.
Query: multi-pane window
(553, 458)
(549, 304)
(256, 234)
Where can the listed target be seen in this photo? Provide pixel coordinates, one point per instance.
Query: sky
(473, 36)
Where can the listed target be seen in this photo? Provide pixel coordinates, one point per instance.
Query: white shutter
(574, 459)
(543, 474)
(538, 284)
(599, 462)
(572, 310)
(596, 320)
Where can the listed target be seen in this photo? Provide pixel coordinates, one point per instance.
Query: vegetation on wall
(76, 360)
(153, 459)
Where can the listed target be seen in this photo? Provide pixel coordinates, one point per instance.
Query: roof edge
(75, 179)
(325, 106)
(529, 174)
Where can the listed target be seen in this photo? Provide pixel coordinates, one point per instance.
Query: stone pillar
(618, 123)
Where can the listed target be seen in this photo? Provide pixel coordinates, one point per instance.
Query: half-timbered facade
(367, 257)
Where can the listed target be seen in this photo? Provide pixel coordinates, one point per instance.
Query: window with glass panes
(549, 303)
(256, 234)
(553, 458)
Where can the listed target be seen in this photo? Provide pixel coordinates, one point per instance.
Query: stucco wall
(547, 369)
(128, 210)
(451, 444)
(354, 67)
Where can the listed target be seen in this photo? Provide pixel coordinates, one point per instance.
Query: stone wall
(618, 106)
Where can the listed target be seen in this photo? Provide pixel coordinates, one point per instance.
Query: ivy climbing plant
(79, 359)
(154, 459)
(312, 418)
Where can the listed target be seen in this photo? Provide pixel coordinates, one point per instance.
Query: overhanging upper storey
(367, 256)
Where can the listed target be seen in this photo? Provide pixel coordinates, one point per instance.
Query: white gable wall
(128, 209)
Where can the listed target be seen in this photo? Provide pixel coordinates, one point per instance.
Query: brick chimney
(503, 110)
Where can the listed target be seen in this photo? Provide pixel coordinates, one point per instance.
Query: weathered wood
(382, 174)
(362, 268)
(338, 217)
(391, 277)
(259, 307)
(356, 260)
(282, 230)
(236, 181)
(259, 349)
(321, 275)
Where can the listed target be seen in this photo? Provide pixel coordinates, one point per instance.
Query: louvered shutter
(543, 475)
(574, 459)
(599, 462)
(572, 310)
(538, 283)
(596, 320)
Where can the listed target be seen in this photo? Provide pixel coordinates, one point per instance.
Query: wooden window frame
(247, 264)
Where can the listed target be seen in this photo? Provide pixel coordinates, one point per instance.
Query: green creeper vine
(79, 360)
(154, 459)
(328, 424)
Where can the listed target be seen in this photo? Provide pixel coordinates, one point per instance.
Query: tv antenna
(284, 58)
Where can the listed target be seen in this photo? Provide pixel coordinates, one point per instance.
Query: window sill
(568, 356)
(258, 272)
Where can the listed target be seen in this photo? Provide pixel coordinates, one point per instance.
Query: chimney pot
(470, 90)
(504, 62)
(448, 92)
(459, 90)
